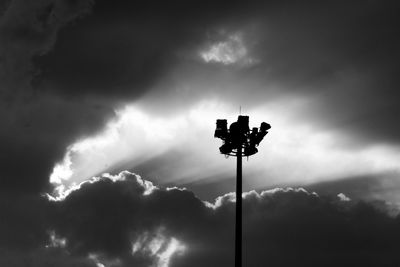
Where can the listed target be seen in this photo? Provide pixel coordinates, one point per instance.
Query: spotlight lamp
(239, 135)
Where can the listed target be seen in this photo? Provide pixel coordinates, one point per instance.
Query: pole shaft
(238, 225)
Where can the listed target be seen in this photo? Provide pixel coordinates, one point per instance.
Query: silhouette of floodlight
(239, 142)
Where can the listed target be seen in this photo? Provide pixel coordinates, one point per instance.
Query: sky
(107, 148)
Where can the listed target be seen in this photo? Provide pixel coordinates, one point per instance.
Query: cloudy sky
(108, 109)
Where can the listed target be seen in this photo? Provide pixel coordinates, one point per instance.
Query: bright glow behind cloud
(293, 151)
(227, 52)
(133, 135)
(159, 246)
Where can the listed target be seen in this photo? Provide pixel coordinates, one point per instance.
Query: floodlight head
(239, 136)
(226, 149)
(236, 134)
(221, 130)
(250, 150)
(234, 128)
(265, 127)
(243, 122)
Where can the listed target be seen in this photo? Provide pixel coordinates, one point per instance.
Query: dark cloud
(124, 48)
(29, 29)
(103, 220)
(24, 234)
(42, 258)
(23, 221)
(35, 135)
(37, 127)
(283, 227)
(373, 187)
(342, 56)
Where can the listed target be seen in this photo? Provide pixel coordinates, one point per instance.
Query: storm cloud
(123, 219)
(33, 122)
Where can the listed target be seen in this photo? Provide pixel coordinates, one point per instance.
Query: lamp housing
(221, 131)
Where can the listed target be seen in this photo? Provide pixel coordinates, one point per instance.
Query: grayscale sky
(115, 89)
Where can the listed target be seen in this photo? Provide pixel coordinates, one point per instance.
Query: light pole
(239, 142)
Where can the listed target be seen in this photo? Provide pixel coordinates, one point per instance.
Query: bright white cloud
(227, 52)
(158, 246)
(293, 152)
(103, 261)
(61, 191)
(133, 136)
(343, 197)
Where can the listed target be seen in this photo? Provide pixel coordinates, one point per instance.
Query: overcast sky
(130, 88)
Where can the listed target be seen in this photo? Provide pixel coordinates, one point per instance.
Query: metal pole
(238, 237)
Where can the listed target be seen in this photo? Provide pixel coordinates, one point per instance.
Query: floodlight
(243, 122)
(235, 134)
(264, 127)
(250, 150)
(221, 130)
(225, 149)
